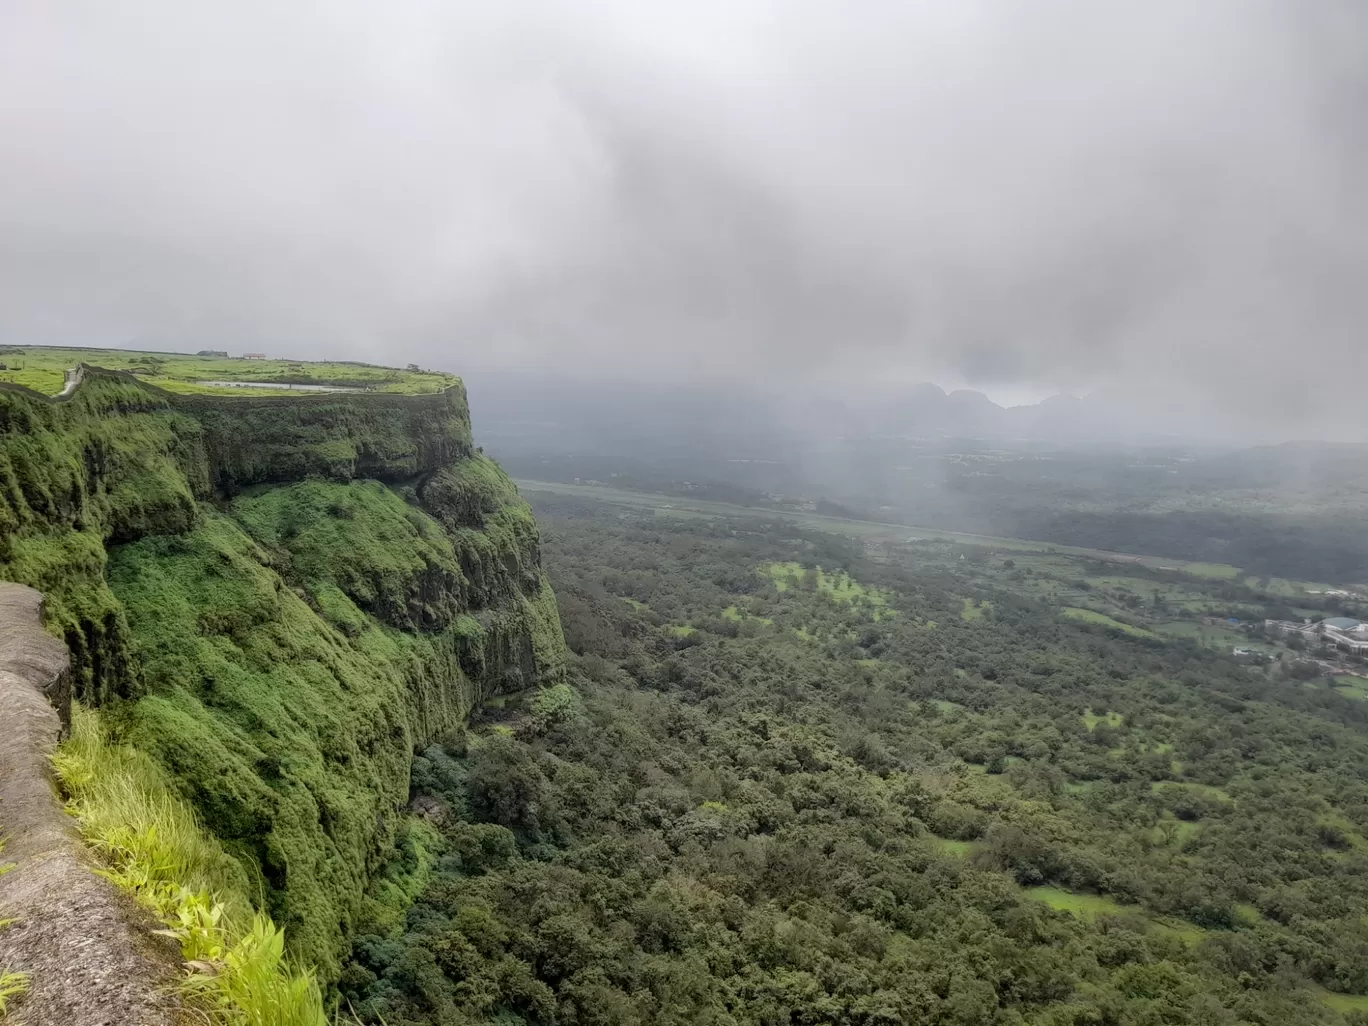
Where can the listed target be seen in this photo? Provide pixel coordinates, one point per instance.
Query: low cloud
(1164, 201)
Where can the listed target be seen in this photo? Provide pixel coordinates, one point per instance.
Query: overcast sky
(1167, 197)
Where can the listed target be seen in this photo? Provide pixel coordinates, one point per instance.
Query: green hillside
(277, 598)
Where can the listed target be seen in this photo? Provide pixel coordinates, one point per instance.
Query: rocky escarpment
(278, 598)
(70, 931)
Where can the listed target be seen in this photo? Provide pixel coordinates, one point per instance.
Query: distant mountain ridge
(928, 411)
(524, 407)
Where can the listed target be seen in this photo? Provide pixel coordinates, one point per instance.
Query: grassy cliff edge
(277, 598)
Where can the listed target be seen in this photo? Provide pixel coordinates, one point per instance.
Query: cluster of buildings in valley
(1345, 633)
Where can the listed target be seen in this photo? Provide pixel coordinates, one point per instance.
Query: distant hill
(535, 410)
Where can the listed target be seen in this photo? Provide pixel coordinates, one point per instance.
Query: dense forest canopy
(798, 780)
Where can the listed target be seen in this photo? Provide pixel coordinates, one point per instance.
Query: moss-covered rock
(496, 537)
(112, 463)
(279, 598)
(293, 737)
(254, 440)
(390, 558)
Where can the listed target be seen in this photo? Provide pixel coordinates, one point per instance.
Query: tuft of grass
(154, 847)
(12, 985)
(252, 983)
(149, 838)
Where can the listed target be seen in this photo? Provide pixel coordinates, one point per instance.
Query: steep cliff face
(278, 598)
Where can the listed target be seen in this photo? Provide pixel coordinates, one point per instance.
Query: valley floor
(871, 530)
(804, 777)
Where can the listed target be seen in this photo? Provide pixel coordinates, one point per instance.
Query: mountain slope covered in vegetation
(277, 598)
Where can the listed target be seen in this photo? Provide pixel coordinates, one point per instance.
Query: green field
(1343, 1003)
(1355, 687)
(1102, 620)
(975, 610)
(1181, 830)
(838, 586)
(1085, 906)
(1111, 719)
(738, 615)
(1284, 588)
(1216, 637)
(42, 368)
(1089, 906)
(957, 849)
(1217, 570)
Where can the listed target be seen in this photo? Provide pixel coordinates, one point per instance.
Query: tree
(504, 785)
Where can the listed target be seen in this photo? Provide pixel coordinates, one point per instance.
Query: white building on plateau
(1345, 633)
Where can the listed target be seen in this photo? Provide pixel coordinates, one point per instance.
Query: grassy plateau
(42, 368)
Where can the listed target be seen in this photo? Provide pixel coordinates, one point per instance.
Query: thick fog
(1161, 202)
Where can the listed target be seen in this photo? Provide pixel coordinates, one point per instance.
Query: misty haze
(1159, 202)
(743, 513)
